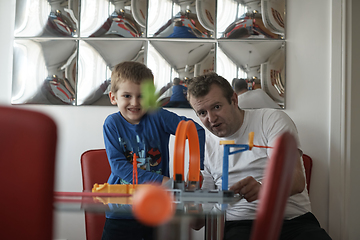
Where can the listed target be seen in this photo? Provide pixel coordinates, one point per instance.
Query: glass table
(191, 208)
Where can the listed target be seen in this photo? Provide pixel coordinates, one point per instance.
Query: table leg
(214, 227)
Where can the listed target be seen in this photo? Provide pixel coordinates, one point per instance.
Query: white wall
(308, 86)
(307, 102)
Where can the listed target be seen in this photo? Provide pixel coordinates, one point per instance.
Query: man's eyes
(202, 113)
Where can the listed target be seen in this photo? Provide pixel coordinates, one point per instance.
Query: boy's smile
(128, 98)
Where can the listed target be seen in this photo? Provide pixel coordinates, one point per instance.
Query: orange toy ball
(153, 205)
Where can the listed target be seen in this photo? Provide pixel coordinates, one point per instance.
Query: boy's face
(127, 98)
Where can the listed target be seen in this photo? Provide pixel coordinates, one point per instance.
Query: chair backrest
(95, 168)
(308, 167)
(276, 189)
(27, 165)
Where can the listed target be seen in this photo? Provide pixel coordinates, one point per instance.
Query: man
(256, 98)
(215, 103)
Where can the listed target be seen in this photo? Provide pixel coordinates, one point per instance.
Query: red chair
(308, 166)
(95, 168)
(276, 189)
(27, 165)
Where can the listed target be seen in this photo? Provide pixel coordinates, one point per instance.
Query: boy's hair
(200, 86)
(129, 71)
(176, 81)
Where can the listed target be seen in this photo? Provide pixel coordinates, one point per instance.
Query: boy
(133, 130)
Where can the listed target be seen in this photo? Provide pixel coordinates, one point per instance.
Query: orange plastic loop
(187, 129)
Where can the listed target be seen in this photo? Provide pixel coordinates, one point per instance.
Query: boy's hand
(149, 96)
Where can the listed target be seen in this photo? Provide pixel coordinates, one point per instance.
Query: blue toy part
(227, 152)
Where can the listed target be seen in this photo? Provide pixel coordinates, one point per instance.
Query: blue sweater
(149, 140)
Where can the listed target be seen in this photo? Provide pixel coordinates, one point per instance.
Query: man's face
(218, 115)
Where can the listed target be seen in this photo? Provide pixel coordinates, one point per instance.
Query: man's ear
(112, 97)
(234, 99)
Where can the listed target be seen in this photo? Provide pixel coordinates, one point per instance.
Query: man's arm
(249, 188)
(298, 183)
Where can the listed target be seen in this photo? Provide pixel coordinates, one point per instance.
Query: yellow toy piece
(223, 142)
(117, 188)
(251, 140)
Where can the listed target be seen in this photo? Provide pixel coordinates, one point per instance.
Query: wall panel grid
(65, 50)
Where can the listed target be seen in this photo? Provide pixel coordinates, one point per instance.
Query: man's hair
(200, 86)
(239, 85)
(129, 71)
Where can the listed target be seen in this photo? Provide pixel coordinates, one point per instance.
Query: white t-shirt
(266, 124)
(256, 99)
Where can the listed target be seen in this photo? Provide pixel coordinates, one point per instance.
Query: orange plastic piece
(187, 129)
(135, 172)
(251, 140)
(153, 205)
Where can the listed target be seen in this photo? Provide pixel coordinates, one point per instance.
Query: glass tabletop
(195, 203)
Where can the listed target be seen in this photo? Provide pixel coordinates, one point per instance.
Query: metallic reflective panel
(64, 50)
(44, 72)
(96, 60)
(263, 61)
(46, 18)
(182, 18)
(177, 59)
(239, 19)
(113, 18)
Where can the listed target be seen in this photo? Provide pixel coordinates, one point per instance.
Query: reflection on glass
(96, 61)
(46, 18)
(264, 60)
(114, 18)
(189, 19)
(252, 19)
(44, 72)
(225, 67)
(176, 59)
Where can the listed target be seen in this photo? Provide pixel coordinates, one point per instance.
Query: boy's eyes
(129, 96)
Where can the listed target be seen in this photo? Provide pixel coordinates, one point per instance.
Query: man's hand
(248, 187)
